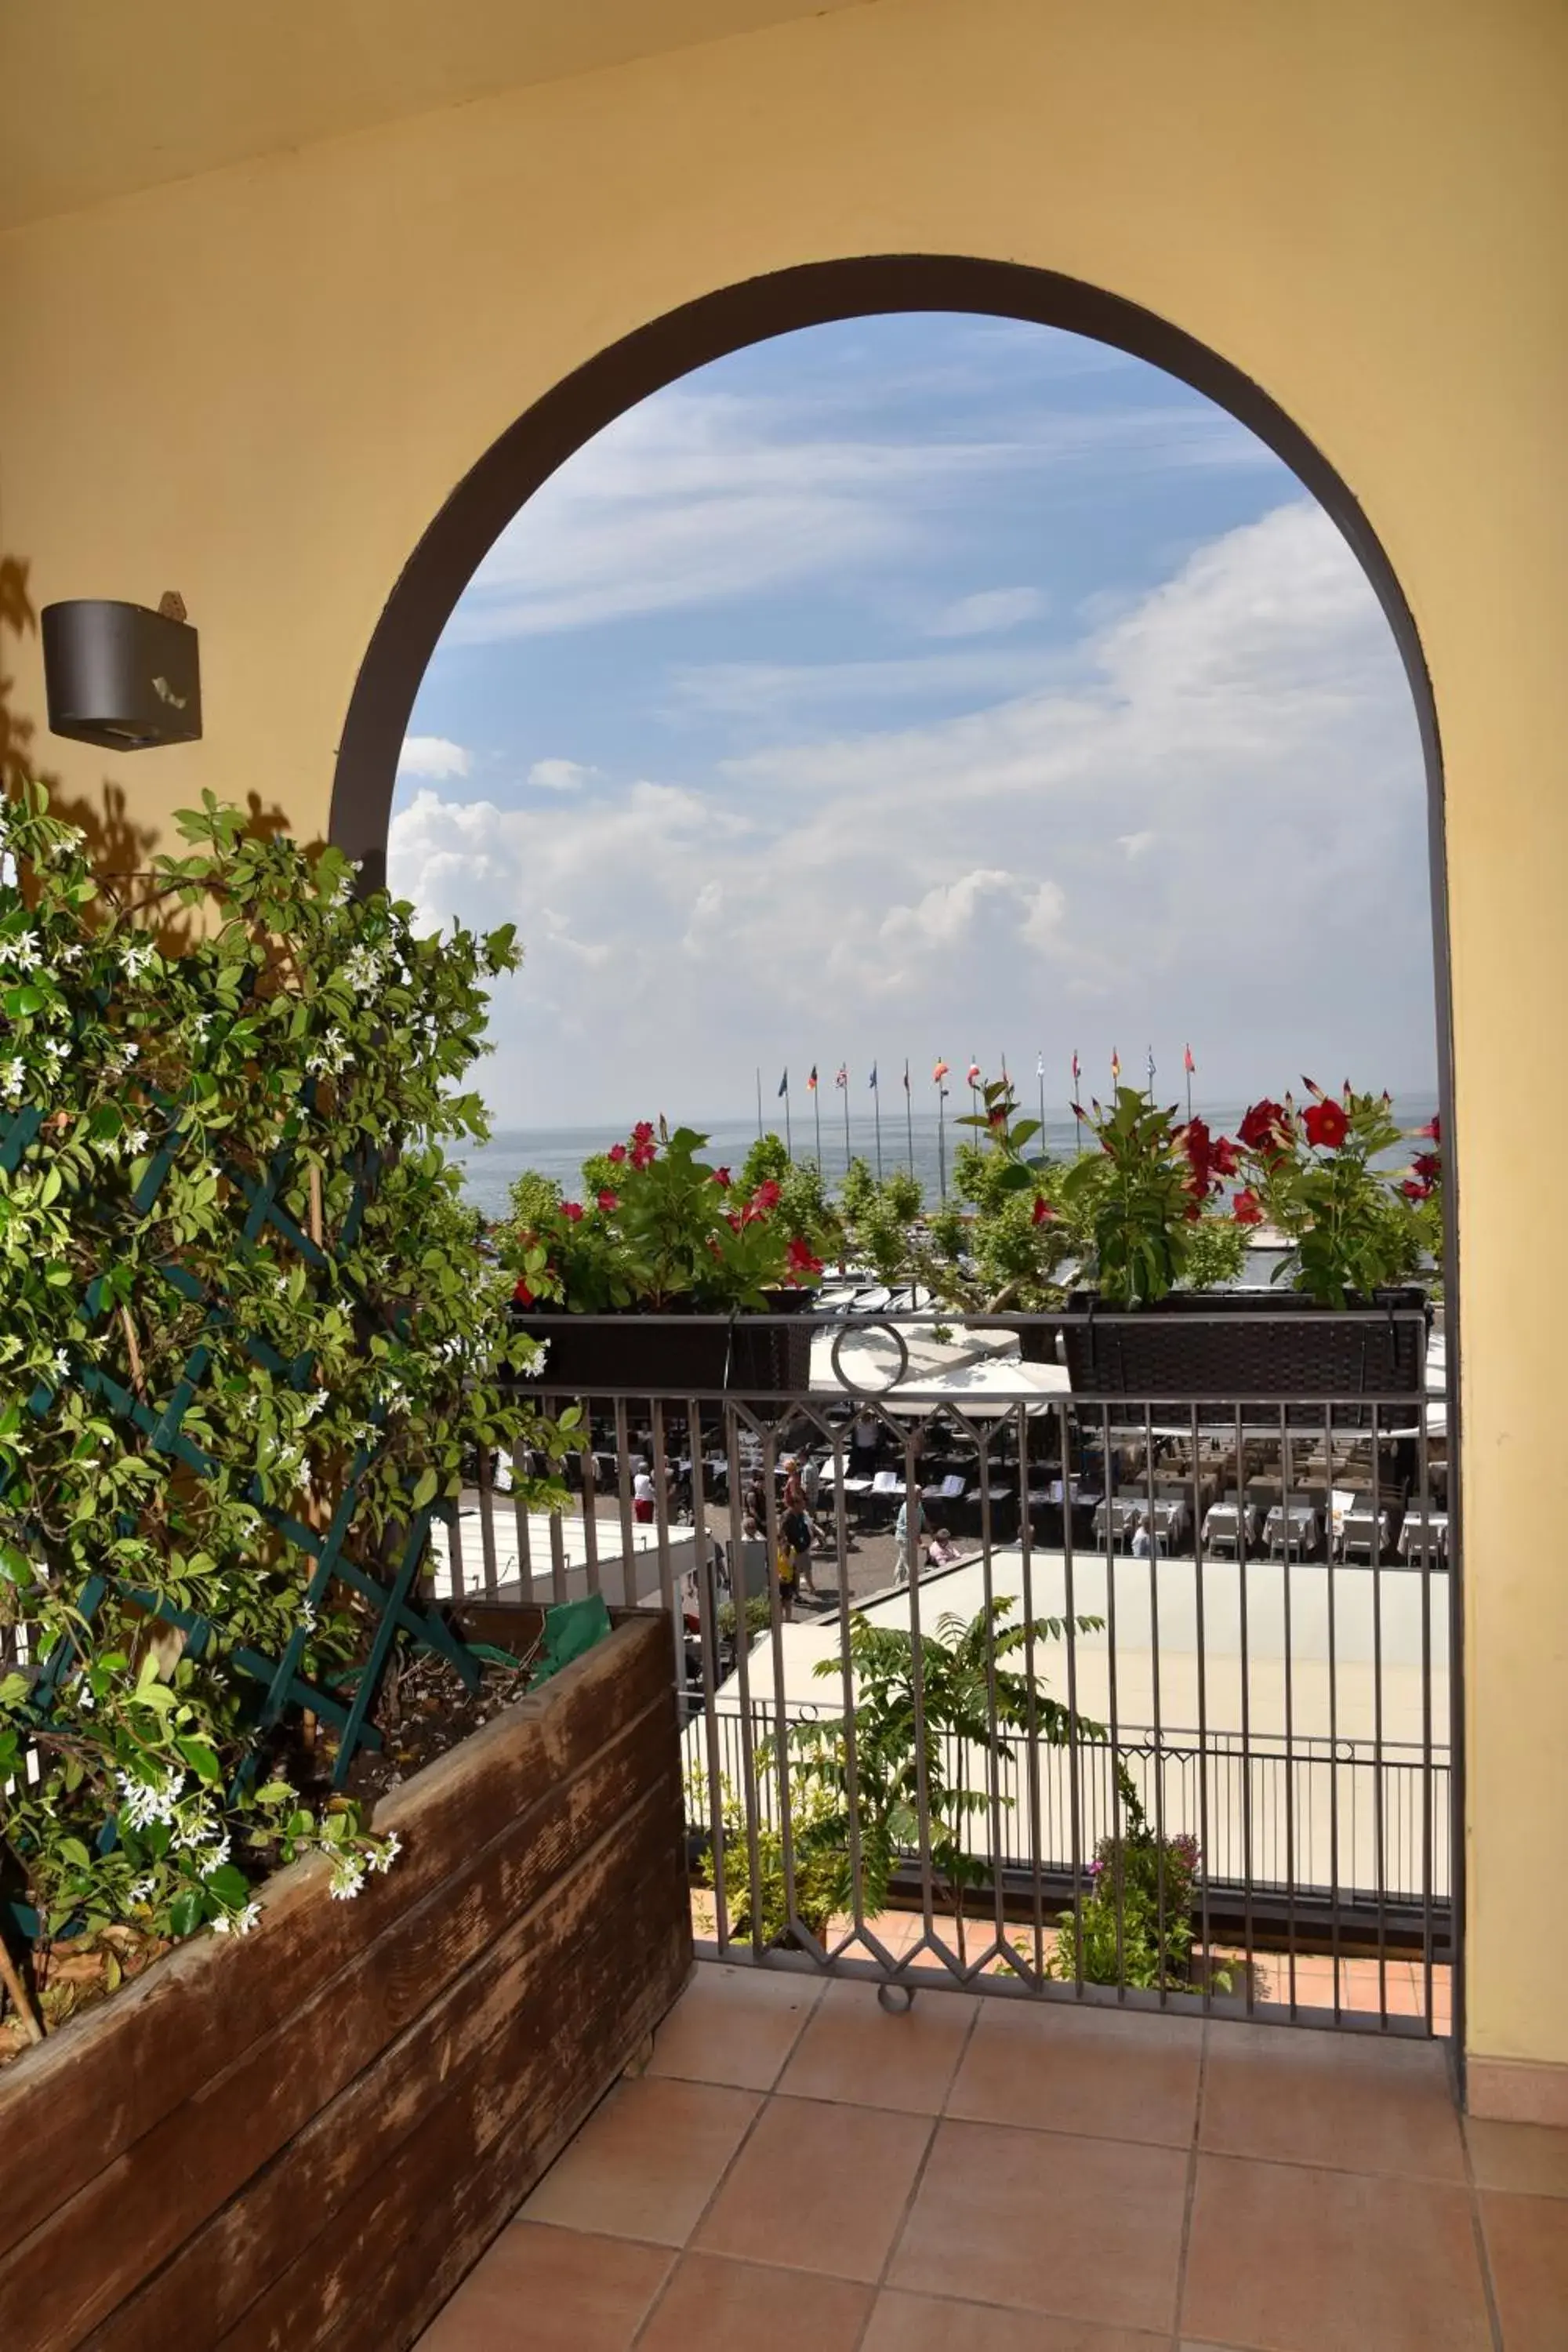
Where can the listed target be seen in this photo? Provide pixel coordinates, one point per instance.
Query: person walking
(906, 1537)
(795, 1535)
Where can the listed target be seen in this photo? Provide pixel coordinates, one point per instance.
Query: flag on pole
(873, 1077)
(939, 1073)
(811, 1082)
(1151, 1069)
(906, 1076)
(1039, 1066)
(1077, 1070)
(1115, 1067)
(843, 1077)
(783, 1085)
(1187, 1061)
(972, 1074)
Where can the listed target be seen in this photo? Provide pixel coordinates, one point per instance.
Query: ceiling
(101, 97)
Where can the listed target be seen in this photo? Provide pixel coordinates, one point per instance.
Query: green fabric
(570, 1628)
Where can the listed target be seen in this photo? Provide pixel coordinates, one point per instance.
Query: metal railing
(1096, 1755)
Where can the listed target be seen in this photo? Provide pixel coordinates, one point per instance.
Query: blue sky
(914, 686)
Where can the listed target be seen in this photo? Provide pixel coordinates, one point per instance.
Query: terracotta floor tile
(1529, 2158)
(1297, 2259)
(540, 2290)
(818, 2186)
(712, 2306)
(735, 2025)
(1086, 2228)
(1349, 2101)
(646, 2161)
(1116, 2075)
(854, 2050)
(1527, 2239)
(924, 2323)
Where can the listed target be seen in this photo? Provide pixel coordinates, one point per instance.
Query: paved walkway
(799, 2172)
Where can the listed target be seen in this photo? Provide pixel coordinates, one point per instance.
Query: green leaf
(202, 1758)
(188, 1911)
(230, 1885)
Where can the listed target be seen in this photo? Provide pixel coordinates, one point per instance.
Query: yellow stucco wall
(256, 386)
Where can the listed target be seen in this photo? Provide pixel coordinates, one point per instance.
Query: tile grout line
(878, 2285)
(1192, 2189)
(1477, 2230)
(764, 2101)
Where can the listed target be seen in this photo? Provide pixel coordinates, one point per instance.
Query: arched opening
(670, 348)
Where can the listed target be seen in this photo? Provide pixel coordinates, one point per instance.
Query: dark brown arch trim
(642, 363)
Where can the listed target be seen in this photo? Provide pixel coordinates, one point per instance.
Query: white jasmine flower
(348, 1877)
(20, 949)
(381, 1862)
(238, 1923)
(139, 1890)
(135, 1140)
(7, 871)
(13, 1077)
(213, 1858)
(145, 1801)
(137, 957)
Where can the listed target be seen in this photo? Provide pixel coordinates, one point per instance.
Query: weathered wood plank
(393, 2251)
(160, 2192)
(90, 2093)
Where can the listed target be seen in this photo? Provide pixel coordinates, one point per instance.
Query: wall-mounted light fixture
(119, 675)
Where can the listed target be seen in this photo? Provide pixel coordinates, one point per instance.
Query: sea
(921, 1142)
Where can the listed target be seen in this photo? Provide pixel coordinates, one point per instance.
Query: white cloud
(701, 497)
(1210, 814)
(432, 755)
(559, 775)
(991, 609)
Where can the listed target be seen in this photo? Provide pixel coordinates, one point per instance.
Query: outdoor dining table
(1292, 1527)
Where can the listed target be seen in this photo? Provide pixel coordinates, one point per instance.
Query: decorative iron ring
(870, 1396)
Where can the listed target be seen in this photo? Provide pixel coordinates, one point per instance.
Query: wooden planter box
(1229, 1345)
(307, 2136)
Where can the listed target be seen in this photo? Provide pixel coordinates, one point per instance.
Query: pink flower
(572, 1210)
(617, 1152)
(722, 1178)
(643, 1132)
(765, 1197)
(608, 1201)
(1433, 1131)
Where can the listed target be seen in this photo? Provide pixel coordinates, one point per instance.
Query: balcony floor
(797, 2168)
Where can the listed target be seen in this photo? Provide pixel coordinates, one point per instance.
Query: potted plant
(1032, 1224)
(249, 1341)
(1356, 1231)
(666, 1258)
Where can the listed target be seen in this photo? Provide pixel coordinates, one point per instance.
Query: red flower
(1222, 1156)
(801, 1259)
(643, 1155)
(1433, 1131)
(617, 1152)
(997, 1115)
(608, 1201)
(1414, 1189)
(1044, 1213)
(722, 1177)
(522, 1295)
(732, 1220)
(1263, 1129)
(1429, 1166)
(1247, 1208)
(1194, 1140)
(643, 1132)
(572, 1210)
(765, 1197)
(1326, 1124)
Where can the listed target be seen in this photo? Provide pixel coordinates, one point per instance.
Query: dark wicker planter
(1226, 1344)
(636, 1353)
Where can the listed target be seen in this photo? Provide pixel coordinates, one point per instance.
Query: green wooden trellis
(389, 1594)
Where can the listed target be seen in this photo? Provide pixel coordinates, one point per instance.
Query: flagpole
(759, 1102)
(847, 1151)
(942, 1137)
(1150, 1074)
(1076, 1115)
(877, 1108)
(910, 1115)
(1187, 1059)
(1040, 1073)
(817, 1115)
